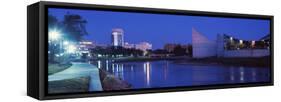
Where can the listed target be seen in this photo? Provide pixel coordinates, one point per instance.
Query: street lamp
(54, 39)
(54, 34)
(71, 49)
(65, 43)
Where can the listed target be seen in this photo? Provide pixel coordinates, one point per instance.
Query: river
(157, 74)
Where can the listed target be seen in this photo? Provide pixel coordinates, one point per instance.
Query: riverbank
(110, 82)
(82, 84)
(246, 62)
(263, 62)
(84, 77)
(140, 59)
(73, 85)
(55, 68)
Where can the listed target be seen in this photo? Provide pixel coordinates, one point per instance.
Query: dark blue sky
(159, 29)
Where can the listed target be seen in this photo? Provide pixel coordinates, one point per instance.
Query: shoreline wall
(246, 53)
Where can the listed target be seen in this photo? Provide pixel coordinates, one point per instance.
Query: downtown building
(170, 47)
(128, 45)
(117, 37)
(117, 40)
(84, 48)
(144, 46)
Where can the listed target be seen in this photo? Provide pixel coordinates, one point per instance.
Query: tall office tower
(117, 37)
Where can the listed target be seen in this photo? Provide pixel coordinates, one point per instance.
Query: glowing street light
(231, 38)
(65, 43)
(241, 41)
(54, 34)
(71, 49)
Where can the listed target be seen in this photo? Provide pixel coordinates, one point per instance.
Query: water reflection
(254, 73)
(241, 74)
(232, 76)
(166, 70)
(106, 65)
(146, 66)
(99, 64)
(169, 74)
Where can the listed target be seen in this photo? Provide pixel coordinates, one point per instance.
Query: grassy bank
(54, 68)
(69, 85)
(249, 62)
(110, 82)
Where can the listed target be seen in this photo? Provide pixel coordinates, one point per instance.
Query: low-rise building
(144, 46)
(128, 45)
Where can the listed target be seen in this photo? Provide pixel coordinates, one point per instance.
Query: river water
(156, 74)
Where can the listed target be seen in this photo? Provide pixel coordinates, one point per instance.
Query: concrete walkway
(79, 69)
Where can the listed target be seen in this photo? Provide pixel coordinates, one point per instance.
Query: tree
(160, 51)
(189, 49)
(179, 51)
(74, 26)
(52, 21)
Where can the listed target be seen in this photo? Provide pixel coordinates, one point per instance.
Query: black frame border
(43, 30)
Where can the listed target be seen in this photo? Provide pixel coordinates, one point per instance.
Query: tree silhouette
(74, 26)
(179, 51)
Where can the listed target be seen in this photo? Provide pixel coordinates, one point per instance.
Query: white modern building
(117, 37)
(204, 47)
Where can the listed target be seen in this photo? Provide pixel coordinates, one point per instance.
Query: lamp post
(71, 49)
(54, 36)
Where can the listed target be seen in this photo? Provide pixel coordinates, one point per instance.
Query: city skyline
(127, 51)
(159, 29)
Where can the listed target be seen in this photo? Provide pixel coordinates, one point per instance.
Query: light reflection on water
(147, 72)
(168, 74)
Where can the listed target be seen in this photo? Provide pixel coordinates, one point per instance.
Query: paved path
(79, 69)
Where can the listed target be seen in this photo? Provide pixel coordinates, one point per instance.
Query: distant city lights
(231, 38)
(253, 43)
(241, 41)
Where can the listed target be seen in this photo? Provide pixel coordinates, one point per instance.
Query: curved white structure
(202, 46)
